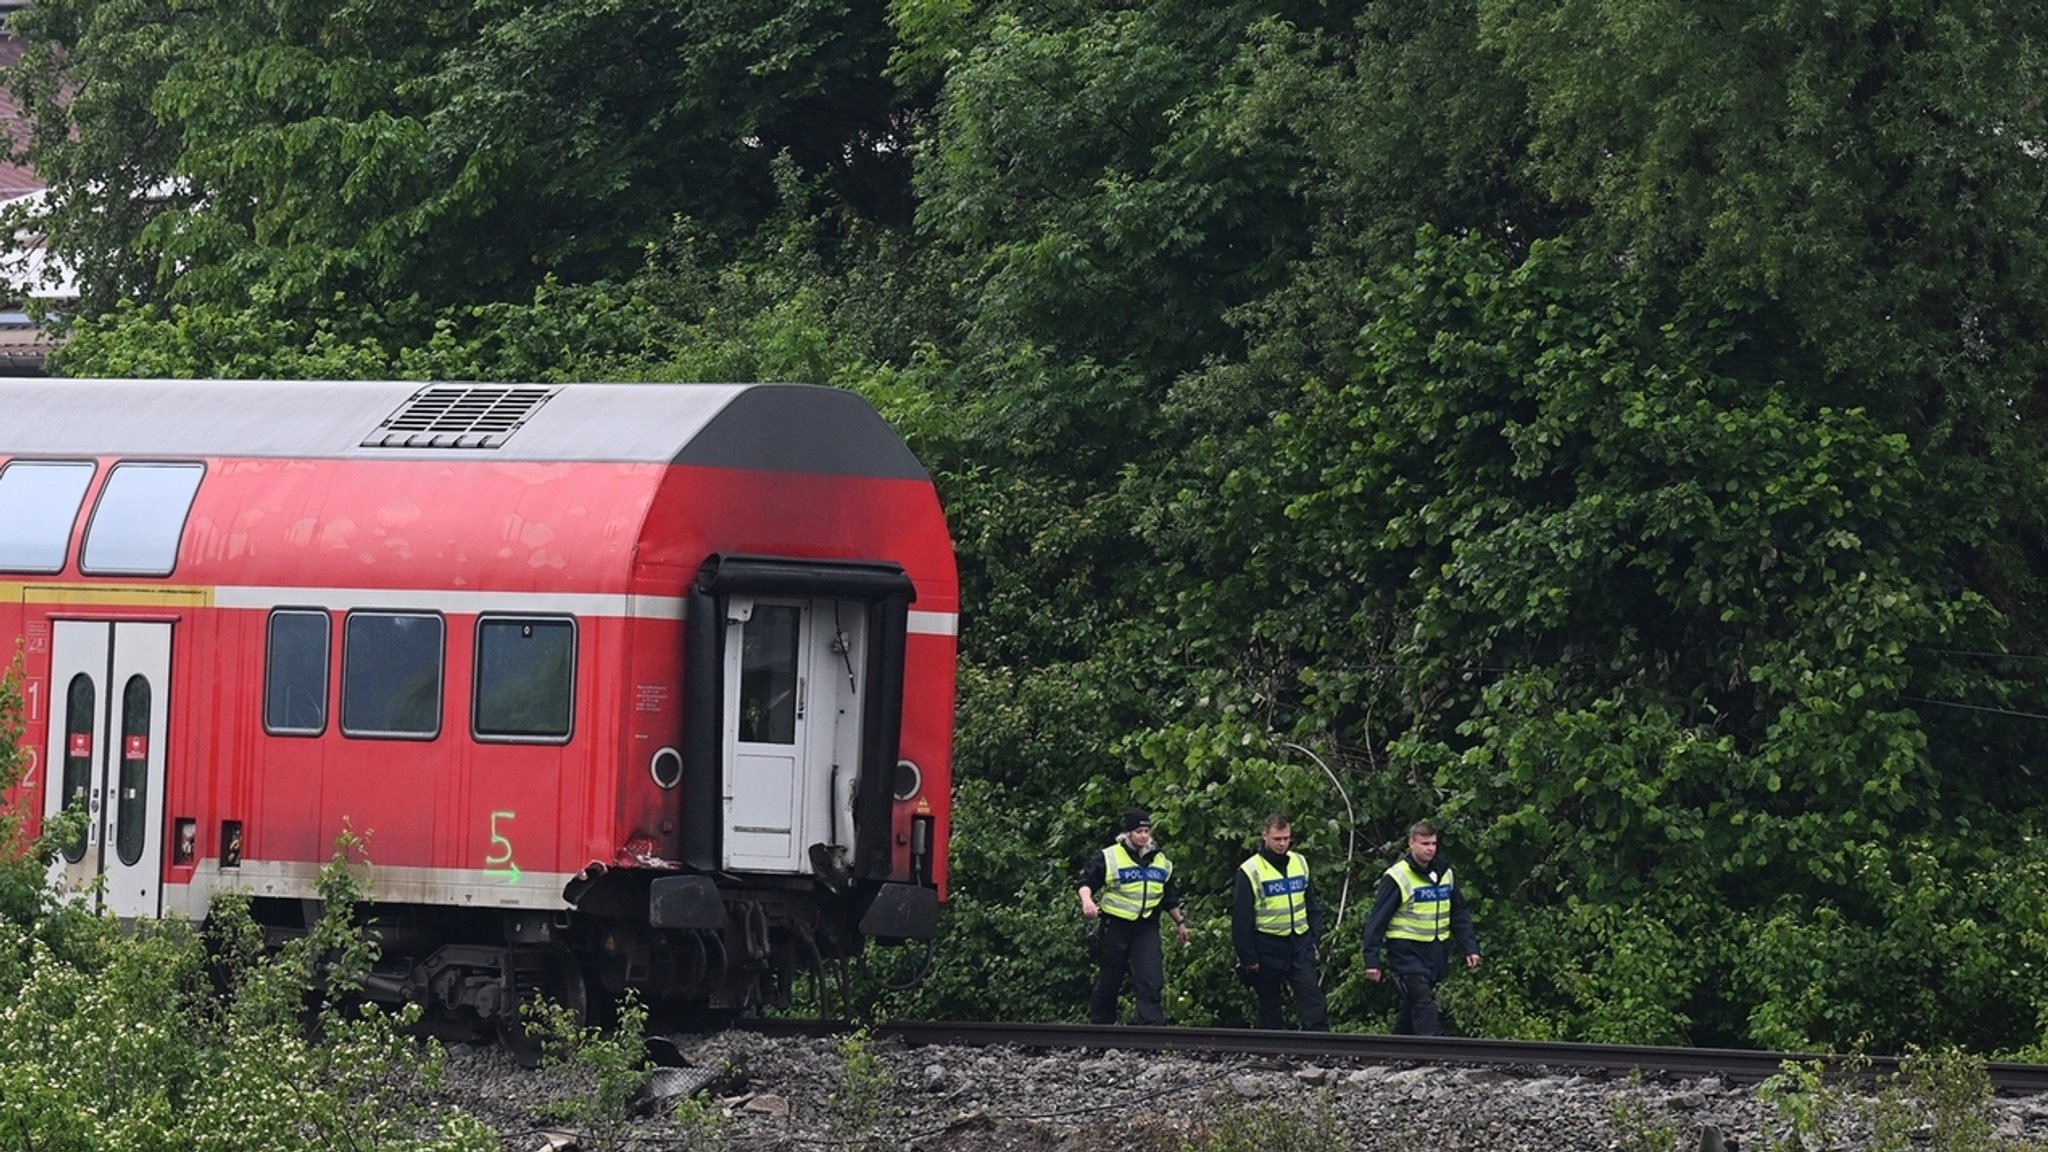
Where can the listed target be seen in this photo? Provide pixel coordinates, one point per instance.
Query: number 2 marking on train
(500, 859)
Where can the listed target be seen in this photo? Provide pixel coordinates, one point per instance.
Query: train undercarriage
(689, 950)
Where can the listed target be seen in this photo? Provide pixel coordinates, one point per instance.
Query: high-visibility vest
(1131, 890)
(1280, 898)
(1425, 911)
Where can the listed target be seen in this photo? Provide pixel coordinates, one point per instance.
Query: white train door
(792, 729)
(109, 689)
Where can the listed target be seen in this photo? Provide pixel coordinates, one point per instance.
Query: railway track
(1730, 1064)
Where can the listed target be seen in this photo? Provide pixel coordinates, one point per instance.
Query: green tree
(1611, 428)
(337, 155)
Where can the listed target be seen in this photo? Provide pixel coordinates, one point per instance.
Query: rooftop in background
(22, 345)
(15, 180)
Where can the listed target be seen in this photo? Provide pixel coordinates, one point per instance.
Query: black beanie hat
(1136, 818)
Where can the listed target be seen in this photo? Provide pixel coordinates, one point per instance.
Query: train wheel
(550, 975)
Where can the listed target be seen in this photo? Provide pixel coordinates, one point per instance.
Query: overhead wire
(1350, 818)
(2014, 712)
(1983, 655)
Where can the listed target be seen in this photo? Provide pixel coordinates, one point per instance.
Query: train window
(391, 675)
(295, 676)
(81, 713)
(38, 504)
(131, 805)
(768, 674)
(139, 519)
(525, 678)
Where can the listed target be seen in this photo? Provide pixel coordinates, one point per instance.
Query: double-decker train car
(641, 686)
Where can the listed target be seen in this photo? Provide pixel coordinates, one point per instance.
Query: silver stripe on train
(588, 604)
(456, 887)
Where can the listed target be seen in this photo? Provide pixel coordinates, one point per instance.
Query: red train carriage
(643, 684)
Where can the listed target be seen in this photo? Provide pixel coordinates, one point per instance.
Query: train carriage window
(131, 804)
(295, 674)
(38, 504)
(391, 675)
(139, 518)
(81, 716)
(768, 674)
(525, 678)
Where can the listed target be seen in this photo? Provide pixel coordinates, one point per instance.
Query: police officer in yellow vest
(1276, 925)
(1416, 909)
(1128, 885)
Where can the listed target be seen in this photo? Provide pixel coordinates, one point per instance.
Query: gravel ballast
(743, 1091)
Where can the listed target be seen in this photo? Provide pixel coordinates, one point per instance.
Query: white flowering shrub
(156, 1039)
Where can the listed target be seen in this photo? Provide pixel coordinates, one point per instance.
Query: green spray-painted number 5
(500, 859)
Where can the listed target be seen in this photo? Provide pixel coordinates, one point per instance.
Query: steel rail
(1732, 1064)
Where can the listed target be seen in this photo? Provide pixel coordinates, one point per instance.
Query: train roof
(767, 427)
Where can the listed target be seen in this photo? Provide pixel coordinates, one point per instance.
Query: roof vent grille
(459, 416)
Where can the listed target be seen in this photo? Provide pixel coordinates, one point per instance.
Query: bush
(114, 1041)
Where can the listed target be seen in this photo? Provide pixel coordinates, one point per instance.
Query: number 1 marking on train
(500, 859)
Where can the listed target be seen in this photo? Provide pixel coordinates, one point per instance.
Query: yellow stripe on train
(108, 595)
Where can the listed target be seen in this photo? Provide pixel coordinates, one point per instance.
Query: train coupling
(901, 912)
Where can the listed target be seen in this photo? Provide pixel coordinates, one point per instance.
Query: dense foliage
(160, 1039)
(1612, 428)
